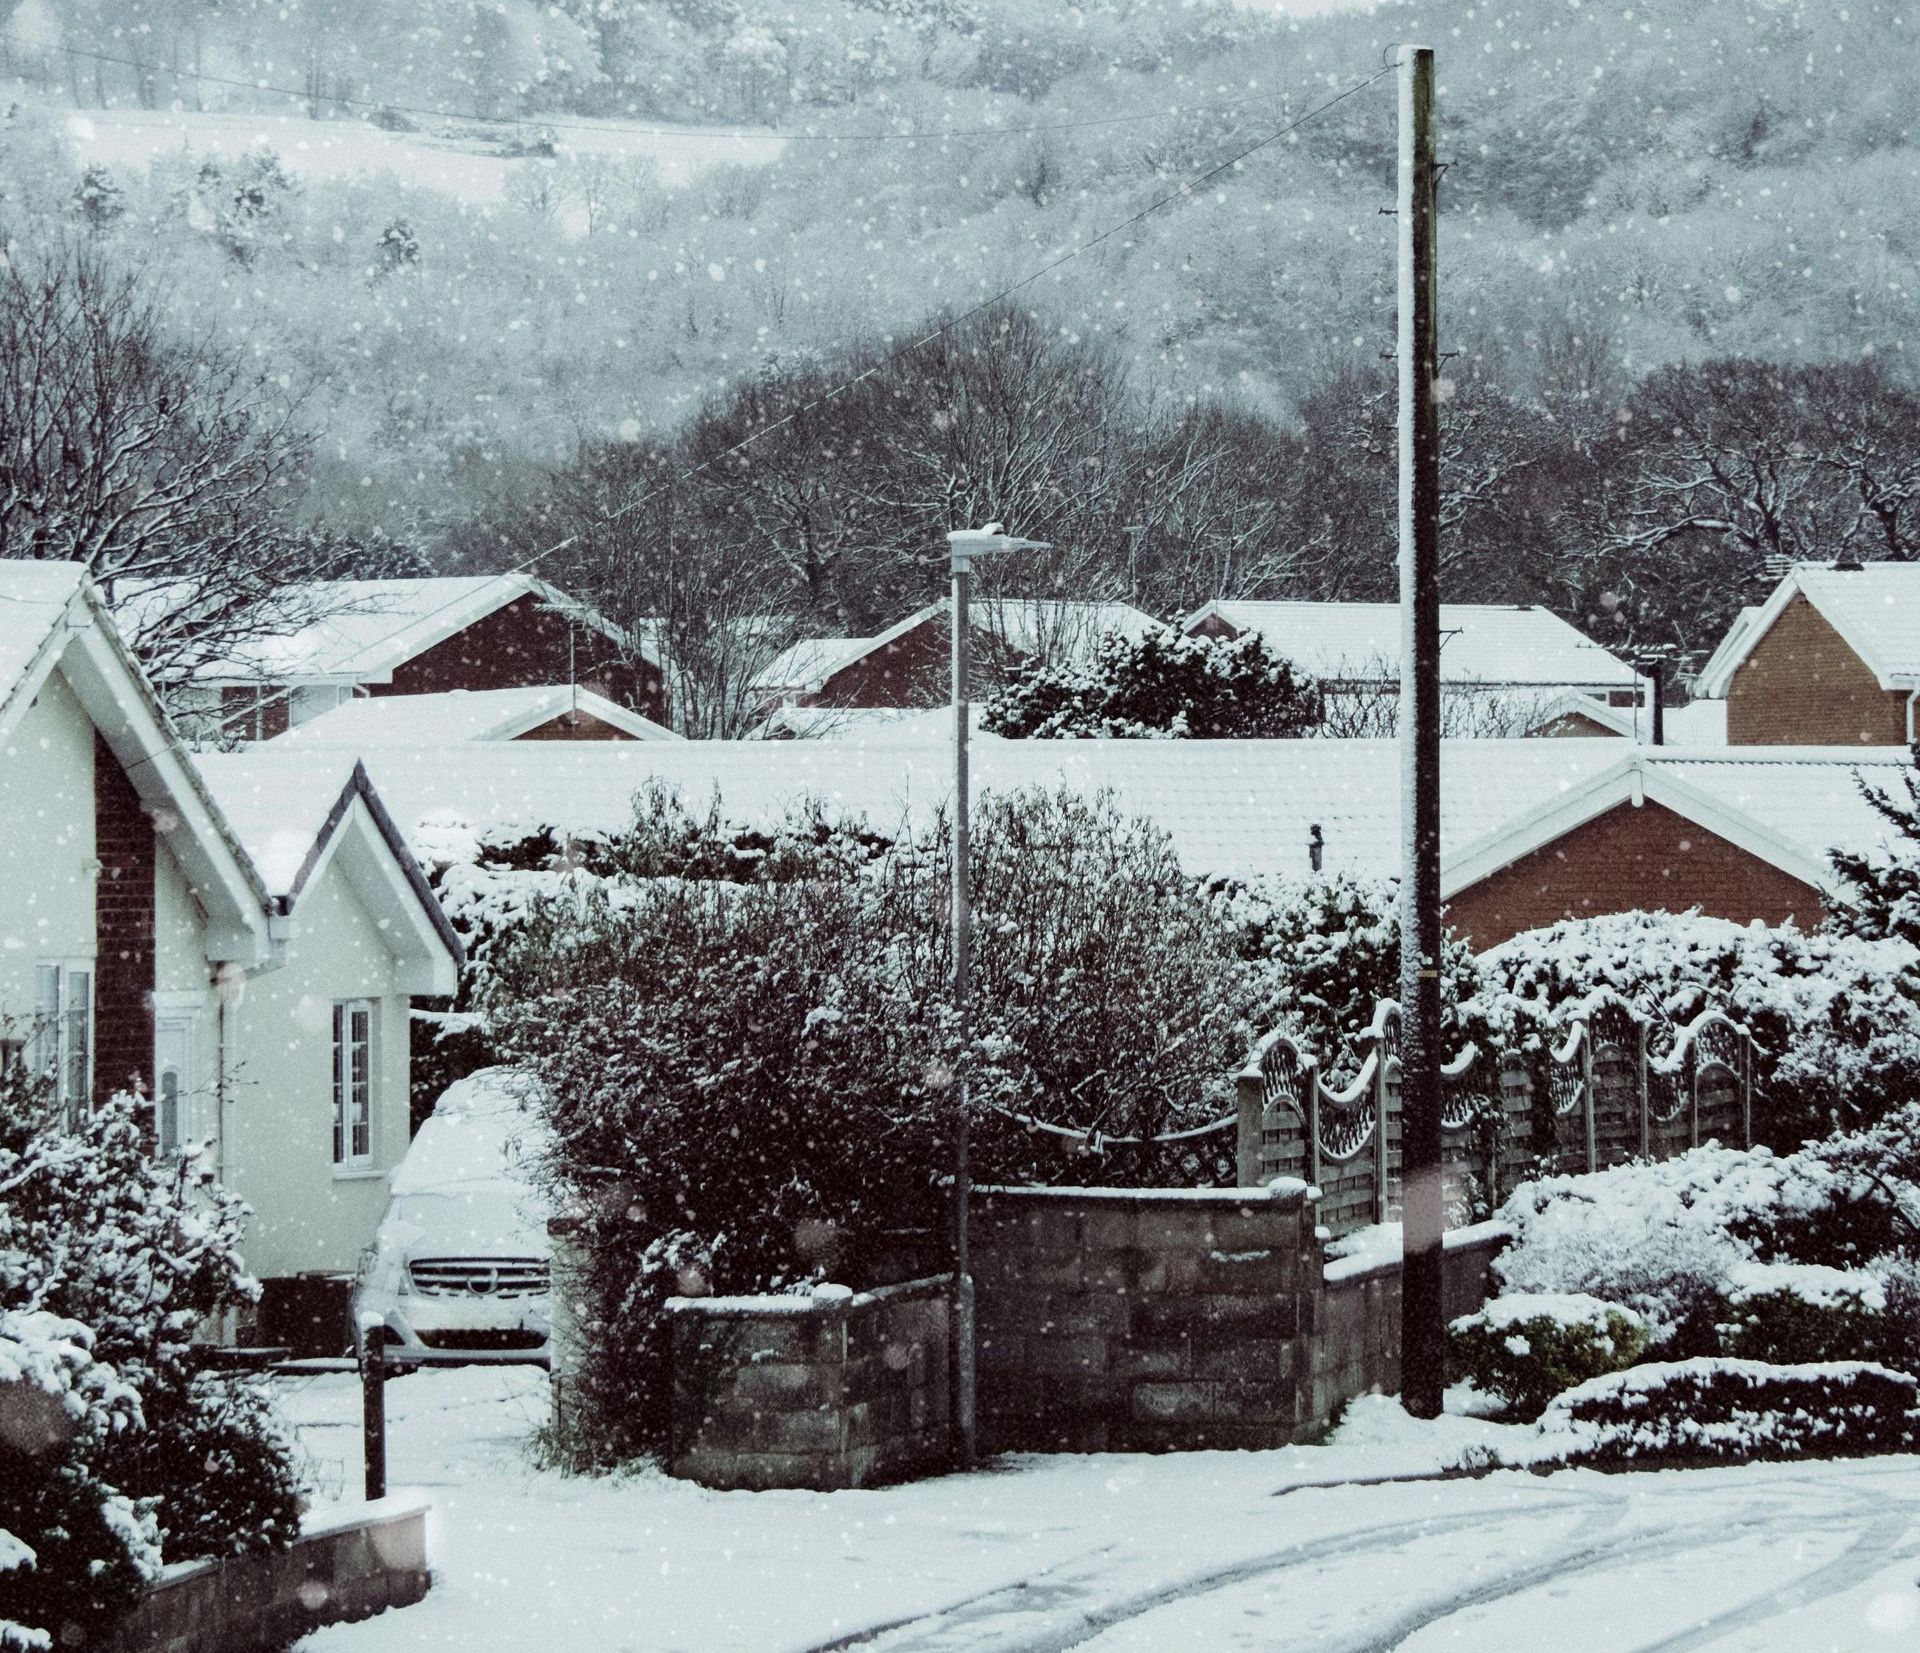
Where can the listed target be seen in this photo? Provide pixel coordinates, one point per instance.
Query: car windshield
(480, 1217)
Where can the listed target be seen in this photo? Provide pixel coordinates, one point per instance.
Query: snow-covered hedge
(1795, 1313)
(1732, 1411)
(1527, 1347)
(1836, 1018)
(74, 1551)
(751, 1076)
(141, 1252)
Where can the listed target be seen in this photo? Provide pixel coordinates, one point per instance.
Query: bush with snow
(1161, 685)
(1732, 1411)
(1323, 952)
(74, 1551)
(750, 1074)
(1835, 1018)
(1794, 1313)
(143, 1252)
(1527, 1347)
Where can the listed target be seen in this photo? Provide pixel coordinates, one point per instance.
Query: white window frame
(355, 1087)
(62, 1045)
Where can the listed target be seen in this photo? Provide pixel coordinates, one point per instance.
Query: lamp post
(962, 547)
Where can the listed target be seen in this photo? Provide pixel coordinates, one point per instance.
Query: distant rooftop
(460, 715)
(1480, 643)
(1875, 607)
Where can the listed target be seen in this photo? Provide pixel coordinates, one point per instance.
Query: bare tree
(165, 467)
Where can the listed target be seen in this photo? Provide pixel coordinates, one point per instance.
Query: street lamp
(962, 547)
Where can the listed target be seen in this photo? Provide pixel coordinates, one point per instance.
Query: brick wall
(1626, 859)
(1803, 686)
(524, 644)
(914, 670)
(831, 1392)
(337, 1571)
(1112, 1320)
(124, 905)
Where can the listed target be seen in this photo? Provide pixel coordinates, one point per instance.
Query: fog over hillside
(468, 239)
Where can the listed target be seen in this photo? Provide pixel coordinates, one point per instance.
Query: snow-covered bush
(74, 1551)
(1322, 954)
(1527, 1347)
(1161, 685)
(1662, 1238)
(142, 1252)
(741, 1065)
(1835, 1018)
(1732, 1411)
(1883, 889)
(1794, 1313)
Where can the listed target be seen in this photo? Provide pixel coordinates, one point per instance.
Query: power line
(1180, 192)
(376, 104)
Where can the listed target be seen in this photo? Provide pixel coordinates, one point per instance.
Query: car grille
(477, 1341)
(479, 1277)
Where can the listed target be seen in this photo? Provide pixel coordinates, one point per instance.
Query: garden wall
(837, 1390)
(342, 1567)
(1117, 1320)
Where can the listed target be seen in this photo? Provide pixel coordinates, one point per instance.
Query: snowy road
(1214, 1551)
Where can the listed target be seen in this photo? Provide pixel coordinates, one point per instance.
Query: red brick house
(1832, 658)
(543, 712)
(1669, 830)
(908, 665)
(418, 637)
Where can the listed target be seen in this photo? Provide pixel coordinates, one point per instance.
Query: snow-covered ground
(1214, 1551)
(464, 167)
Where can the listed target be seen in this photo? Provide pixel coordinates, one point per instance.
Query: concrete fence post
(1646, 1104)
(1383, 1099)
(1586, 1098)
(1250, 1094)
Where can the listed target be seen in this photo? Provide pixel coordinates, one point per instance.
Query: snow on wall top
(1239, 808)
(33, 597)
(460, 715)
(1480, 643)
(376, 625)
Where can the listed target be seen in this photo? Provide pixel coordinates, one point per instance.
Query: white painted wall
(48, 872)
(310, 1215)
(185, 1007)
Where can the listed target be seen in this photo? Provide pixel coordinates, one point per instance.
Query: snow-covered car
(457, 1272)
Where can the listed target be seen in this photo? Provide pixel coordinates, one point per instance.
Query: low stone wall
(1353, 1342)
(1115, 1320)
(838, 1390)
(342, 1567)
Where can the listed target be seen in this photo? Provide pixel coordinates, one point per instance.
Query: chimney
(1848, 562)
(1316, 846)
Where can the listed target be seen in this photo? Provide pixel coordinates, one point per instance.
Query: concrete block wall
(838, 1390)
(1116, 1320)
(344, 1567)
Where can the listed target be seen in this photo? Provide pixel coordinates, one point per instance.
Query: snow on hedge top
(1484, 643)
(1563, 1308)
(1812, 1283)
(1653, 1376)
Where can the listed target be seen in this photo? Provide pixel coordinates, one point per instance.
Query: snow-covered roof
(865, 723)
(1237, 808)
(1030, 625)
(1480, 643)
(461, 715)
(1789, 806)
(1571, 703)
(1875, 608)
(806, 664)
(1716, 665)
(34, 598)
(52, 619)
(1702, 723)
(298, 812)
(370, 627)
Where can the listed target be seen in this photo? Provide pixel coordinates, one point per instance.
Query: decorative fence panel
(1604, 1097)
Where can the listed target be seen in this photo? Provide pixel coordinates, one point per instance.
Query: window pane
(44, 1049)
(168, 1111)
(362, 1081)
(339, 1082)
(78, 993)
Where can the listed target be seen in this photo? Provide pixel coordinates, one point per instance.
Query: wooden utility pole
(1422, 1212)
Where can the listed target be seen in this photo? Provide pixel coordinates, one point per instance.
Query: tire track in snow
(1060, 1595)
